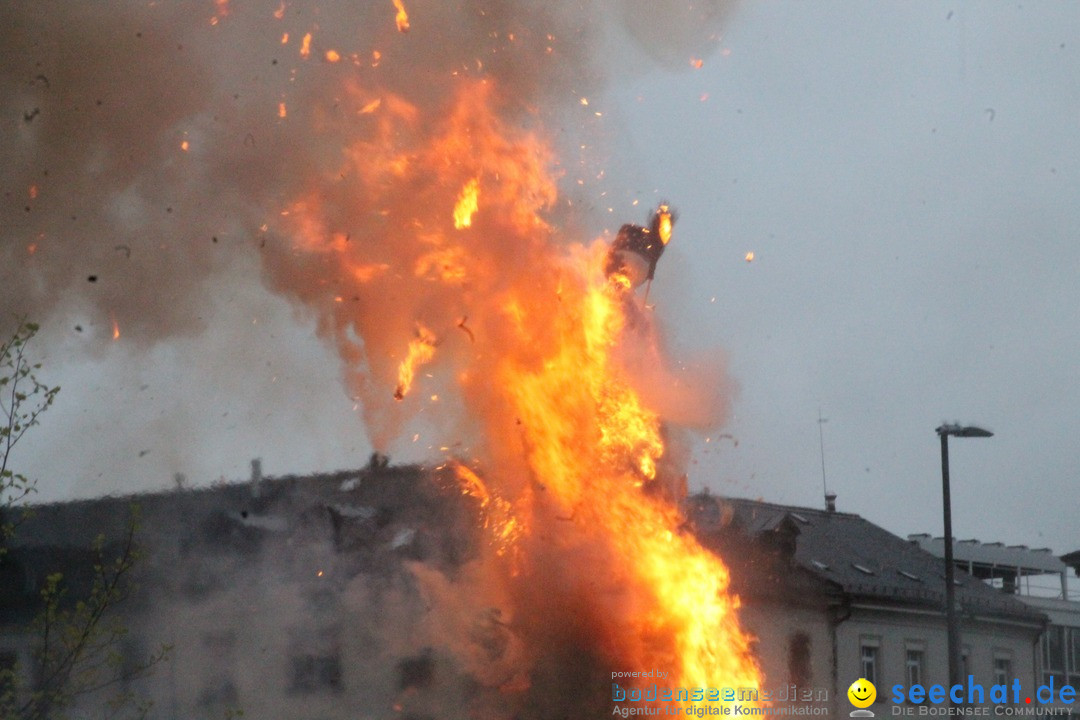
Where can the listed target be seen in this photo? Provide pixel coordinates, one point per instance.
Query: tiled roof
(855, 556)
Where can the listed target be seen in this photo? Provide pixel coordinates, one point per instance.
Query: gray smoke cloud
(105, 217)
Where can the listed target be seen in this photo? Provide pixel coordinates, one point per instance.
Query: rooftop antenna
(829, 501)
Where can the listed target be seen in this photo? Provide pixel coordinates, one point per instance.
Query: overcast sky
(907, 176)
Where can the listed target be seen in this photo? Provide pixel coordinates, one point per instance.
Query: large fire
(569, 470)
(406, 191)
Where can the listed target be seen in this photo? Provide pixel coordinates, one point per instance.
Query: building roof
(841, 552)
(1018, 558)
(196, 542)
(856, 557)
(1072, 560)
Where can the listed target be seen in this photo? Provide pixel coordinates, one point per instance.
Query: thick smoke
(105, 217)
(145, 154)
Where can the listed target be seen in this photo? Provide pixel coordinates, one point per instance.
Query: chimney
(256, 476)
(830, 502)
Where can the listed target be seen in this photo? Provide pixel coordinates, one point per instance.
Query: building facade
(356, 595)
(1039, 580)
(859, 602)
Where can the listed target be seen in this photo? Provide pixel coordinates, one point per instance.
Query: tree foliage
(23, 398)
(77, 643)
(79, 646)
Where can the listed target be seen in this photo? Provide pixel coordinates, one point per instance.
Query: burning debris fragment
(636, 250)
(402, 17)
(421, 351)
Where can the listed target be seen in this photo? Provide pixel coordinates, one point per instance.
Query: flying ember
(421, 351)
(402, 17)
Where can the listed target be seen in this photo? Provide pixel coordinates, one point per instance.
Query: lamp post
(944, 431)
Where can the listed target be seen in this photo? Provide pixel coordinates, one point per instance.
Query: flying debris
(633, 256)
(402, 17)
(461, 324)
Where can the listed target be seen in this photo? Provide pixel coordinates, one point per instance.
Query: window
(870, 663)
(315, 673)
(9, 662)
(1074, 656)
(1002, 670)
(799, 659)
(315, 662)
(913, 665)
(218, 667)
(1053, 655)
(1061, 655)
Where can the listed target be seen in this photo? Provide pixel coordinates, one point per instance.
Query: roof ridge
(779, 506)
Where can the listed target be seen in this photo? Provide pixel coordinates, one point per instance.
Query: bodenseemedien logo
(862, 694)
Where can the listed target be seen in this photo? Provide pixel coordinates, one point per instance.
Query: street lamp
(944, 431)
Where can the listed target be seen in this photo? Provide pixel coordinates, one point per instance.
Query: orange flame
(115, 328)
(421, 351)
(402, 17)
(305, 46)
(497, 514)
(467, 204)
(595, 445)
(665, 223)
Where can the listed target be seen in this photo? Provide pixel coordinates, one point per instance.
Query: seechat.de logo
(862, 694)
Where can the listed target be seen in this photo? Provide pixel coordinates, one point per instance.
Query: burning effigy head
(633, 255)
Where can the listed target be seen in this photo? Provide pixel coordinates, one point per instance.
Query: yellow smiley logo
(862, 693)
